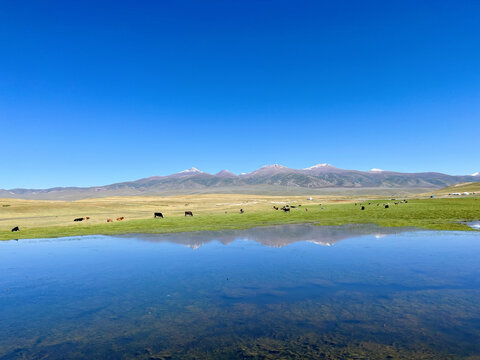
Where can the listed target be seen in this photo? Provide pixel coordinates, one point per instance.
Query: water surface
(295, 291)
(474, 224)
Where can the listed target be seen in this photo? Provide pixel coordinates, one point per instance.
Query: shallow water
(474, 224)
(296, 291)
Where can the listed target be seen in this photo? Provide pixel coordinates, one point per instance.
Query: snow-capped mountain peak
(476, 174)
(274, 166)
(191, 170)
(377, 170)
(318, 166)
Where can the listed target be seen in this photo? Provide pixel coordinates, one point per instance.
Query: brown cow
(120, 218)
(87, 217)
(109, 220)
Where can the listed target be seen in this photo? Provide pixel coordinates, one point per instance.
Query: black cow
(157, 214)
(78, 219)
(286, 209)
(386, 206)
(241, 211)
(188, 213)
(363, 208)
(293, 206)
(16, 228)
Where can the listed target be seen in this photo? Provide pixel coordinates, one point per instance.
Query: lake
(293, 291)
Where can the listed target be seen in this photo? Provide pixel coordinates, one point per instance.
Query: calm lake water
(296, 291)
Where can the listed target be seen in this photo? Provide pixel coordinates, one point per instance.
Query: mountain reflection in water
(274, 236)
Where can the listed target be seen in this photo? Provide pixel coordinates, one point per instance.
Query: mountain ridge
(268, 178)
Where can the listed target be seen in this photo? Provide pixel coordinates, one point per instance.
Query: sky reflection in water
(261, 293)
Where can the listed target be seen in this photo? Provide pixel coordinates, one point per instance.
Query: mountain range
(269, 179)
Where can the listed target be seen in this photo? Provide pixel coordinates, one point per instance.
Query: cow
(16, 228)
(306, 209)
(109, 220)
(87, 218)
(276, 208)
(293, 207)
(78, 219)
(362, 208)
(188, 213)
(386, 206)
(241, 211)
(120, 218)
(286, 209)
(157, 214)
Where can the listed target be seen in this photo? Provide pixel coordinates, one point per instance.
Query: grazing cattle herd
(286, 209)
(385, 205)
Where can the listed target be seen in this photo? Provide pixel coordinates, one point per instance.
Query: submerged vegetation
(431, 213)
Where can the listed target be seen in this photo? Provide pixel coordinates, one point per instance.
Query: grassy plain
(43, 219)
(460, 188)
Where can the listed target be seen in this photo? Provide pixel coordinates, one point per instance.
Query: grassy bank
(438, 214)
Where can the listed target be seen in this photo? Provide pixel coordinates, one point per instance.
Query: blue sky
(93, 93)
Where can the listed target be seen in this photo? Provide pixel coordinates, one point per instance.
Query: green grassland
(460, 188)
(436, 213)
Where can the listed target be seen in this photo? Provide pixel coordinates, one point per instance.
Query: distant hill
(269, 179)
(460, 188)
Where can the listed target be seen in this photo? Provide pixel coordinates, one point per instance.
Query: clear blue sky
(96, 92)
